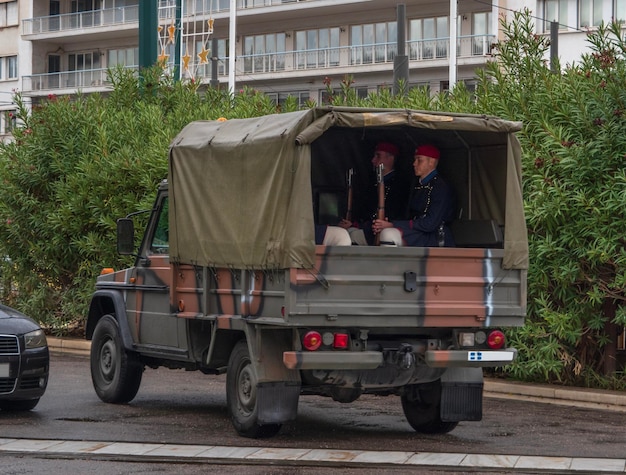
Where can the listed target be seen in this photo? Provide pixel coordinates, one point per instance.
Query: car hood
(14, 322)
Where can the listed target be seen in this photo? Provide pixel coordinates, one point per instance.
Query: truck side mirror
(125, 237)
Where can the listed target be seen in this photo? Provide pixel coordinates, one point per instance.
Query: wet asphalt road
(174, 406)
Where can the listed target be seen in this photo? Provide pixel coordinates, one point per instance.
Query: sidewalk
(494, 388)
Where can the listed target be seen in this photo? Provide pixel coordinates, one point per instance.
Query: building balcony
(423, 54)
(472, 50)
(60, 25)
(67, 82)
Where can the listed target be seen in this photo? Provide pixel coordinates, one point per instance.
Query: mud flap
(277, 401)
(462, 395)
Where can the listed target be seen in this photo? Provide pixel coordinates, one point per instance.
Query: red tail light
(496, 340)
(340, 340)
(312, 341)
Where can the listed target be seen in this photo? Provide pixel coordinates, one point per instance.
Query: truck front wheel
(115, 373)
(241, 385)
(421, 404)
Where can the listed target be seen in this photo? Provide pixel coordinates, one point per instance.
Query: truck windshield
(160, 238)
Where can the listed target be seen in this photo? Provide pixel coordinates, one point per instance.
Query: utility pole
(452, 49)
(214, 63)
(401, 61)
(232, 39)
(148, 33)
(178, 43)
(554, 45)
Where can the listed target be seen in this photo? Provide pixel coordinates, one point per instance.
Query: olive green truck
(228, 278)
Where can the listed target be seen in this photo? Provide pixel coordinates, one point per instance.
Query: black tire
(422, 408)
(22, 405)
(241, 381)
(115, 372)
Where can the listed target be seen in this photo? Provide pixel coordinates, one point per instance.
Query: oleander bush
(77, 165)
(74, 167)
(574, 169)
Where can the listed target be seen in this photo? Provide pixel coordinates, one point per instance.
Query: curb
(544, 393)
(71, 346)
(567, 396)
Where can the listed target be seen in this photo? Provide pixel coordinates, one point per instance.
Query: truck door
(154, 318)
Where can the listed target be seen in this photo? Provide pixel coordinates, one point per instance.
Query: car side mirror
(125, 237)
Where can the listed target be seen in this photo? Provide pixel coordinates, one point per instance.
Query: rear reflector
(312, 341)
(341, 340)
(496, 340)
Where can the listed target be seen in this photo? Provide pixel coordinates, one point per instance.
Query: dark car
(24, 361)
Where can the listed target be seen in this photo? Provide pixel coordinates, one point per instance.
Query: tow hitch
(403, 356)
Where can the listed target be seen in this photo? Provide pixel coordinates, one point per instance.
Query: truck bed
(357, 285)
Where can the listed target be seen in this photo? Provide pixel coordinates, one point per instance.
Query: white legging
(391, 237)
(336, 236)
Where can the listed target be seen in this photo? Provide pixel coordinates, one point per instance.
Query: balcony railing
(75, 21)
(423, 52)
(67, 80)
(224, 5)
(347, 56)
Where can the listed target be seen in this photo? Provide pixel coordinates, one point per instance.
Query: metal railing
(224, 5)
(345, 56)
(123, 15)
(67, 80)
(75, 21)
(422, 51)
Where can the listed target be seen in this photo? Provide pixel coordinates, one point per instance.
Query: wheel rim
(107, 360)
(246, 388)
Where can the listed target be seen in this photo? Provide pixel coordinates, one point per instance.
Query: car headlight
(35, 339)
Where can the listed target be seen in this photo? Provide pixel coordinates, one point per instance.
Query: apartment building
(9, 67)
(282, 47)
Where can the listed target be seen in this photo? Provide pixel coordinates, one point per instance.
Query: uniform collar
(427, 178)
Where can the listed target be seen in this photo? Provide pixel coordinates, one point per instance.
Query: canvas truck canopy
(244, 192)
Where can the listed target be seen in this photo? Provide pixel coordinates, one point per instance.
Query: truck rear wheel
(115, 372)
(241, 384)
(421, 404)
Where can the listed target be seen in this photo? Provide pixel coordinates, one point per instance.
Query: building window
(590, 13)
(429, 38)
(8, 68)
(279, 98)
(9, 120)
(11, 67)
(374, 43)
(481, 33)
(205, 69)
(317, 48)
(85, 5)
(264, 53)
(208, 6)
(555, 10)
(587, 13)
(85, 69)
(123, 57)
(620, 10)
(8, 14)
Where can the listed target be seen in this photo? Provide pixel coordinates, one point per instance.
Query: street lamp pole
(232, 39)
(453, 36)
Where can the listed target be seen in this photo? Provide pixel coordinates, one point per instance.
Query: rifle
(380, 183)
(349, 210)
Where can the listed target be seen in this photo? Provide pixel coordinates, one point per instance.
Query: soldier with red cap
(432, 207)
(396, 194)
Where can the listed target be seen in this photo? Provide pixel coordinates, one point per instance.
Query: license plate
(490, 356)
(4, 370)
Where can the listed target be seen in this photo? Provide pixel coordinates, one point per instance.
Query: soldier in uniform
(432, 207)
(396, 194)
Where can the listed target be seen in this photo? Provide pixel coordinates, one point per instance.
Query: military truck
(228, 278)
